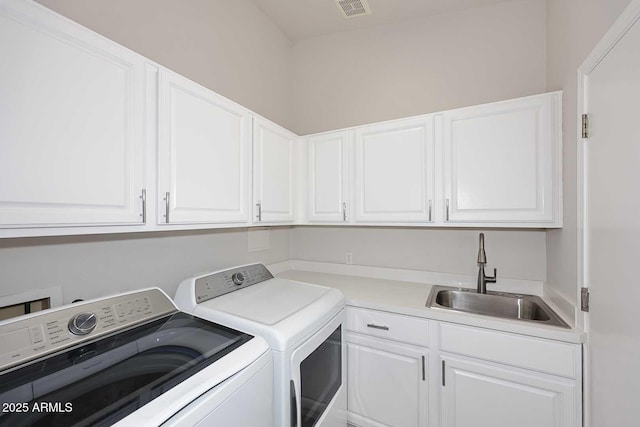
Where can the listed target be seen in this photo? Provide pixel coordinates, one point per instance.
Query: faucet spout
(482, 255)
(483, 279)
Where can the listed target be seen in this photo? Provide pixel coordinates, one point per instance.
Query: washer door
(102, 382)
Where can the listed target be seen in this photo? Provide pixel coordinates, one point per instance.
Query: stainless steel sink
(498, 304)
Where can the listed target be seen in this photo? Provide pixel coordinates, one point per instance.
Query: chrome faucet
(483, 279)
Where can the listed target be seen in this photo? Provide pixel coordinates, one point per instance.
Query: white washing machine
(131, 360)
(303, 325)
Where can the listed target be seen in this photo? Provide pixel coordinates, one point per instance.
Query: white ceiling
(301, 19)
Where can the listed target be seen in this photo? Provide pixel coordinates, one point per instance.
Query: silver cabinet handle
(374, 326)
(447, 213)
(430, 206)
(166, 206)
(424, 376)
(344, 211)
(259, 206)
(443, 374)
(143, 197)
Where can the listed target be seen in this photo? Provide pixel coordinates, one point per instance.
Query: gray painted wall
(516, 254)
(230, 47)
(93, 266)
(419, 66)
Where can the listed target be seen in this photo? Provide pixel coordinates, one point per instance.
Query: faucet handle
(492, 279)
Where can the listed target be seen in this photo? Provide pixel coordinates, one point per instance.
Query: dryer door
(318, 371)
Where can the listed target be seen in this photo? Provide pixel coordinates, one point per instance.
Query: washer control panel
(23, 339)
(222, 282)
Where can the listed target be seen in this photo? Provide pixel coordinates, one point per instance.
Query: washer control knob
(83, 323)
(238, 278)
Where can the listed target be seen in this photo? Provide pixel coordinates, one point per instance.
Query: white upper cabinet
(273, 172)
(394, 172)
(204, 170)
(502, 162)
(71, 123)
(328, 180)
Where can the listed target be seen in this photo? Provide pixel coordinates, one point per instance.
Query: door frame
(619, 29)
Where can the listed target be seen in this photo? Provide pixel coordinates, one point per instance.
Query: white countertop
(410, 298)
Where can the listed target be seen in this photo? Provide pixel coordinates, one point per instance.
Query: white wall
(93, 266)
(230, 47)
(419, 66)
(516, 254)
(574, 27)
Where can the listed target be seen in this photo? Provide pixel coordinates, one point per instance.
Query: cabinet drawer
(407, 329)
(541, 355)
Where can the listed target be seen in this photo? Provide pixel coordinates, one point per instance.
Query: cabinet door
(394, 171)
(204, 154)
(328, 191)
(387, 383)
(475, 394)
(71, 123)
(273, 151)
(502, 161)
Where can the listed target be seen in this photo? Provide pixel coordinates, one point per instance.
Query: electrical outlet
(348, 258)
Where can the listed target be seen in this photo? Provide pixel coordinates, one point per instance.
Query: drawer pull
(374, 326)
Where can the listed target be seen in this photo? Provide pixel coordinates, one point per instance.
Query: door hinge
(584, 299)
(585, 126)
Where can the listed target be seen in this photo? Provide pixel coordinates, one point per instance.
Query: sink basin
(498, 304)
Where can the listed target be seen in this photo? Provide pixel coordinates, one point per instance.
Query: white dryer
(131, 360)
(303, 325)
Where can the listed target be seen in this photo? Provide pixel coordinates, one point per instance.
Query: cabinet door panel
(394, 171)
(482, 395)
(273, 171)
(71, 141)
(385, 383)
(328, 177)
(500, 161)
(204, 154)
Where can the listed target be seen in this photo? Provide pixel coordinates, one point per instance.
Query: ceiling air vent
(353, 8)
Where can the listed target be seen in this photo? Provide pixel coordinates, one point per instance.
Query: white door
(394, 171)
(611, 220)
(475, 394)
(71, 123)
(328, 191)
(273, 173)
(387, 383)
(501, 161)
(204, 154)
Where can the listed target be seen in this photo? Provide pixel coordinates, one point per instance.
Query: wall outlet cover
(258, 239)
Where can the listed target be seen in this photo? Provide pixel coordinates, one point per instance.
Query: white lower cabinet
(388, 369)
(478, 394)
(387, 383)
(478, 377)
